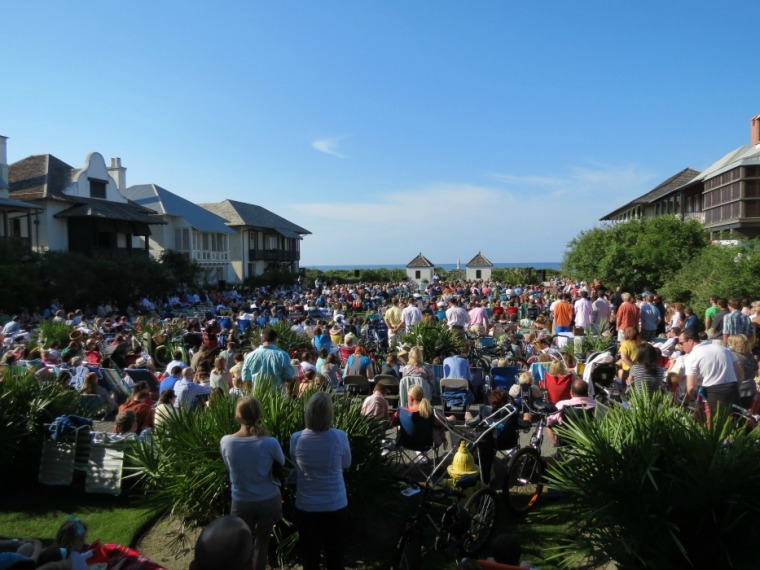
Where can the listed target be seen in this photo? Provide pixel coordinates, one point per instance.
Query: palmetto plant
(648, 487)
(185, 475)
(26, 404)
(435, 338)
(287, 338)
(55, 331)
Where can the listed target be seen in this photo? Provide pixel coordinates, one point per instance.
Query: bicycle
(164, 353)
(523, 482)
(466, 528)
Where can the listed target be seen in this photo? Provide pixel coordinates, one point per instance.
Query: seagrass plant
(648, 487)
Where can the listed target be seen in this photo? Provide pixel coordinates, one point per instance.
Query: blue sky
(387, 128)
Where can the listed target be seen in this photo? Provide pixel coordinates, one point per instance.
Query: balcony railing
(699, 216)
(211, 256)
(115, 252)
(272, 255)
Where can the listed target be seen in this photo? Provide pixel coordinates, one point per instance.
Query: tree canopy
(636, 254)
(724, 271)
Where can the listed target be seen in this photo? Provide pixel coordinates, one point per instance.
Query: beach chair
(64, 449)
(105, 467)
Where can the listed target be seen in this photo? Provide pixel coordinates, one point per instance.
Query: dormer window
(97, 188)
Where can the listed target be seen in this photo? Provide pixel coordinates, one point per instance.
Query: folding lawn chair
(455, 396)
(391, 384)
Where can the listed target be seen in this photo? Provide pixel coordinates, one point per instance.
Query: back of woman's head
(647, 356)
(415, 356)
(558, 368)
(248, 413)
(71, 534)
(423, 405)
(525, 379)
(319, 412)
(90, 383)
(739, 344)
(220, 364)
(166, 396)
(630, 333)
(126, 421)
(498, 398)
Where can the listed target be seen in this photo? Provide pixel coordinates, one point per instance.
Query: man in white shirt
(600, 313)
(456, 317)
(713, 367)
(583, 311)
(411, 315)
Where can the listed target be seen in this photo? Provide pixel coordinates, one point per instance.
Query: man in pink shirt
(478, 319)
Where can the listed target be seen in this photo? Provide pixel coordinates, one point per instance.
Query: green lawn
(37, 512)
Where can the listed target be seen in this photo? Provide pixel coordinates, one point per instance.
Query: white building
(190, 229)
(263, 241)
(81, 209)
(479, 267)
(420, 270)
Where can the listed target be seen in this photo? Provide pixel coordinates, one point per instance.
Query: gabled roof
(9, 204)
(742, 156)
(167, 203)
(38, 177)
(479, 260)
(107, 210)
(242, 214)
(420, 261)
(44, 177)
(662, 189)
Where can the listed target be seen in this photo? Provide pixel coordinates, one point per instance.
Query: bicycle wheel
(482, 508)
(409, 549)
(522, 485)
(161, 356)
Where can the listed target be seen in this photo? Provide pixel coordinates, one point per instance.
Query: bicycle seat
(545, 407)
(467, 481)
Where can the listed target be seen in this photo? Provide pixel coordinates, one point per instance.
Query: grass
(38, 512)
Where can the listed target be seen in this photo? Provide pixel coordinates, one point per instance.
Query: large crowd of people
(356, 330)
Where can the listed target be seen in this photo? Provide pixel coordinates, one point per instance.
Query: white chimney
(4, 186)
(118, 173)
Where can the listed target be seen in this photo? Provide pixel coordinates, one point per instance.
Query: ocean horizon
(447, 266)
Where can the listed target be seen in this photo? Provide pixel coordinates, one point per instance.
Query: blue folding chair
(503, 377)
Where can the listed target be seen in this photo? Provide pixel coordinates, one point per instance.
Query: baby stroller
(378, 332)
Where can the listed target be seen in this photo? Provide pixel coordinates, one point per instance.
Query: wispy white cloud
(508, 222)
(329, 146)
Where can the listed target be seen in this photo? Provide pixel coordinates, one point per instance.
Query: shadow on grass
(36, 511)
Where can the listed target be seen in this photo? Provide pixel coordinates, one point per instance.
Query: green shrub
(185, 475)
(434, 337)
(647, 487)
(287, 338)
(55, 331)
(25, 405)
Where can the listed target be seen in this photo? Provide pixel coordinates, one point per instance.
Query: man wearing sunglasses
(713, 367)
